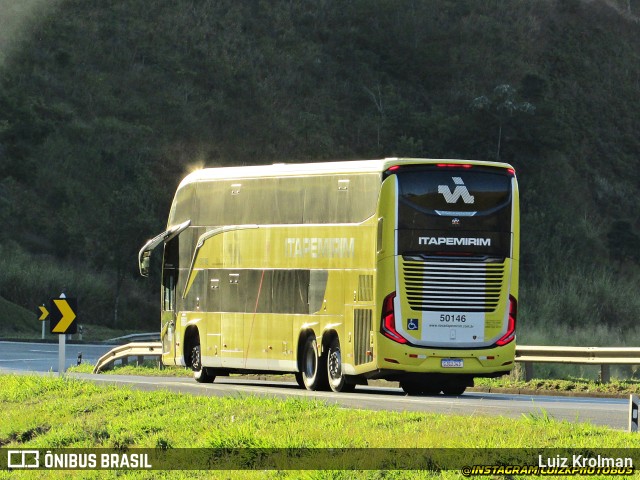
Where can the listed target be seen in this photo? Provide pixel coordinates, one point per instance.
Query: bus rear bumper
(488, 362)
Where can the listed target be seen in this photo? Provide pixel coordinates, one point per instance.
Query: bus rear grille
(365, 288)
(452, 286)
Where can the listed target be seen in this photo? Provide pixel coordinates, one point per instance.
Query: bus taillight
(511, 329)
(454, 165)
(388, 327)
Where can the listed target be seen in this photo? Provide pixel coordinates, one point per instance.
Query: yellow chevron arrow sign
(44, 312)
(63, 315)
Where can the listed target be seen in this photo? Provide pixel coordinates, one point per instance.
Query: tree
(502, 106)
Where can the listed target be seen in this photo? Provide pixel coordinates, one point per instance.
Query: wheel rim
(335, 365)
(195, 359)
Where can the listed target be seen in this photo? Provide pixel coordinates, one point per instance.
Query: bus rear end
(448, 274)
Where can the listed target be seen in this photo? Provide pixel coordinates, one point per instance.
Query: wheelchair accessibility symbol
(412, 324)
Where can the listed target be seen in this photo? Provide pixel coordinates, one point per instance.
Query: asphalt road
(598, 411)
(38, 357)
(43, 357)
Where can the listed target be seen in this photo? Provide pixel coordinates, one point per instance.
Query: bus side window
(169, 287)
(170, 275)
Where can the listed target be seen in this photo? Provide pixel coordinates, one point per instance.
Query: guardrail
(135, 337)
(603, 356)
(141, 350)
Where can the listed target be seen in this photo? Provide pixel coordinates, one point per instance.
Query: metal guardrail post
(528, 371)
(605, 373)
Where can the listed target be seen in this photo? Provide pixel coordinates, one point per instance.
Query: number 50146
(453, 318)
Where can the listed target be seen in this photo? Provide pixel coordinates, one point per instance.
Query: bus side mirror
(145, 261)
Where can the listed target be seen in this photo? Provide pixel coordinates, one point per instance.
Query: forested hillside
(106, 104)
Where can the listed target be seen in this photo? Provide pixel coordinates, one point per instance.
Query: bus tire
(421, 386)
(411, 388)
(431, 390)
(335, 375)
(312, 368)
(454, 388)
(200, 374)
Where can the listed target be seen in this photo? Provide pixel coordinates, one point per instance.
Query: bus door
(168, 314)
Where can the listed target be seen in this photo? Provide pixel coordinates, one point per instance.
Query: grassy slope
(16, 321)
(71, 413)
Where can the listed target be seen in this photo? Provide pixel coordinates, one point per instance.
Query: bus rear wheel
(337, 380)
(454, 388)
(312, 368)
(200, 374)
(413, 387)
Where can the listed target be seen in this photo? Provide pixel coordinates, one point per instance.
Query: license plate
(452, 363)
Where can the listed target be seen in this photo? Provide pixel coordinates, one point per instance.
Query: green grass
(573, 385)
(149, 369)
(50, 412)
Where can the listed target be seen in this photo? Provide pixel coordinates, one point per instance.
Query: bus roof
(323, 168)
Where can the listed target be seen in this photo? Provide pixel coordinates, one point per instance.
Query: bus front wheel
(200, 374)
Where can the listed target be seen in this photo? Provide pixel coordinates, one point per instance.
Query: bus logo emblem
(412, 324)
(459, 191)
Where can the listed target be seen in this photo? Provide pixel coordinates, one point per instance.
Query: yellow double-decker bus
(400, 269)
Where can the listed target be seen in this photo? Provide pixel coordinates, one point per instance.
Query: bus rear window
(454, 191)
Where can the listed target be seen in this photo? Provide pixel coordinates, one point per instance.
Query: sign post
(62, 321)
(62, 351)
(44, 313)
